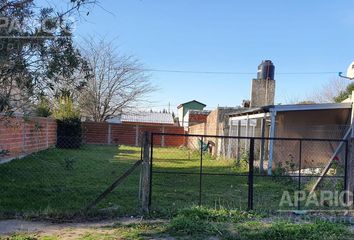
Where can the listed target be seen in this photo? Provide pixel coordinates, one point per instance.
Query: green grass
(44, 184)
(61, 182)
(204, 223)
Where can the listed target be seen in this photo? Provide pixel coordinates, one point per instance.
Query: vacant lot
(61, 182)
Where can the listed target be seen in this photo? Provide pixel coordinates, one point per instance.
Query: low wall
(20, 136)
(130, 134)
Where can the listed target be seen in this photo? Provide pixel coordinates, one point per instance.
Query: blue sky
(232, 36)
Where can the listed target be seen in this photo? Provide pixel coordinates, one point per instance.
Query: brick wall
(130, 134)
(21, 136)
(196, 118)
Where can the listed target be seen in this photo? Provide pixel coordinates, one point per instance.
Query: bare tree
(329, 90)
(118, 83)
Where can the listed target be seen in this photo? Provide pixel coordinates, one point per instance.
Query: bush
(69, 133)
(43, 107)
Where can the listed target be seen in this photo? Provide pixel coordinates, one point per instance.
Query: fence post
(201, 171)
(145, 172)
(299, 176)
(250, 174)
(349, 174)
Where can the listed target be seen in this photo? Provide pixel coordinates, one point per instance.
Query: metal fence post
(346, 186)
(299, 182)
(250, 174)
(201, 171)
(146, 174)
(151, 166)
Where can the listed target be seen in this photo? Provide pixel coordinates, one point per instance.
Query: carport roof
(292, 107)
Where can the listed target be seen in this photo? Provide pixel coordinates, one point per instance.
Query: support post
(250, 174)
(261, 153)
(238, 141)
(109, 136)
(163, 137)
(350, 161)
(145, 172)
(137, 135)
(247, 132)
(271, 141)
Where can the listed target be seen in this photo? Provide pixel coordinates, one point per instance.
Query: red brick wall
(22, 136)
(129, 134)
(195, 118)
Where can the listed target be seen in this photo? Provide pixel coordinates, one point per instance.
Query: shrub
(69, 133)
(43, 107)
(69, 129)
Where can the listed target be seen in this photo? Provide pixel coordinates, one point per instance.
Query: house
(217, 122)
(183, 111)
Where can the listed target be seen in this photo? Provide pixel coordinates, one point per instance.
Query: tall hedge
(69, 133)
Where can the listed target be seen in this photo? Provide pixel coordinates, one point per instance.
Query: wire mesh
(215, 171)
(61, 180)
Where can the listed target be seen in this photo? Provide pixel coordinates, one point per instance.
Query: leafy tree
(65, 108)
(37, 51)
(344, 94)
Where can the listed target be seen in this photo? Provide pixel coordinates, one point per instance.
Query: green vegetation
(69, 129)
(344, 94)
(204, 223)
(43, 108)
(61, 182)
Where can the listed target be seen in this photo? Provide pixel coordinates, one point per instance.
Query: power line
(233, 73)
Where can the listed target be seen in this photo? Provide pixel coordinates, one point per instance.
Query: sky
(299, 36)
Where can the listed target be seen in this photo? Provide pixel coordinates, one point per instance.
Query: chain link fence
(266, 174)
(62, 180)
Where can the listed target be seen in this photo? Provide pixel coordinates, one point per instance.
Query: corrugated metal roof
(148, 117)
(291, 107)
(182, 104)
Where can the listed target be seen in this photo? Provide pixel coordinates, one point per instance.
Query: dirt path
(61, 230)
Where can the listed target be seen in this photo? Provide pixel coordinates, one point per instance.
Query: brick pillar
(163, 137)
(109, 135)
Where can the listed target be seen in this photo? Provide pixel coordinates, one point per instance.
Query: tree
(117, 83)
(344, 94)
(37, 56)
(329, 91)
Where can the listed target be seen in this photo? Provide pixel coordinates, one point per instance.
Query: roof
(148, 117)
(292, 107)
(182, 104)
